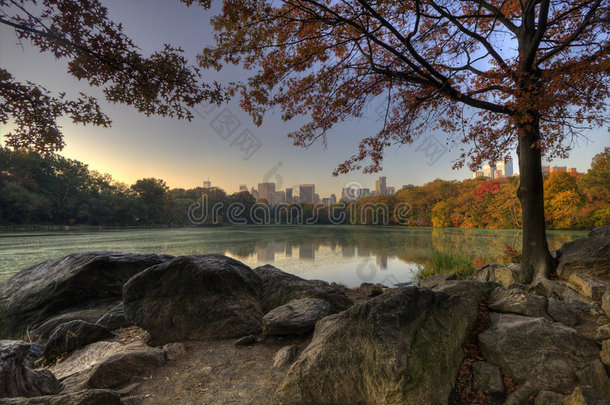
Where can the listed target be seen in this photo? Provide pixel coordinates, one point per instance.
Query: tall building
(489, 172)
(307, 193)
(280, 197)
(207, 184)
(478, 174)
(333, 199)
(546, 170)
(289, 195)
(557, 169)
(380, 186)
(266, 191)
(243, 187)
(254, 193)
(390, 190)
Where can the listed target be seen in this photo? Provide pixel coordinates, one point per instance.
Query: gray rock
(280, 288)
(370, 289)
(404, 346)
(84, 397)
(602, 333)
(605, 353)
(606, 302)
(549, 398)
(517, 301)
(298, 317)
(114, 319)
(67, 285)
(590, 255)
(536, 353)
(195, 297)
(584, 395)
(603, 231)
(43, 330)
(487, 377)
(73, 335)
(595, 375)
(285, 356)
(562, 312)
(497, 274)
(174, 350)
(433, 281)
(19, 380)
(587, 285)
(121, 368)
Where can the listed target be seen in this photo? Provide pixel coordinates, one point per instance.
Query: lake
(348, 254)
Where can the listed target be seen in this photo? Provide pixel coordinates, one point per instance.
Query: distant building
(289, 195)
(559, 169)
(390, 190)
(351, 193)
(279, 197)
(207, 184)
(266, 191)
(243, 187)
(410, 185)
(478, 174)
(572, 171)
(254, 193)
(546, 170)
(333, 199)
(307, 193)
(380, 186)
(489, 171)
(499, 170)
(316, 198)
(504, 169)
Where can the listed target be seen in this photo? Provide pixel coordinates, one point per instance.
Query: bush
(447, 262)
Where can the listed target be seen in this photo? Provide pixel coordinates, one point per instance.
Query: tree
(499, 75)
(152, 194)
(96, 50)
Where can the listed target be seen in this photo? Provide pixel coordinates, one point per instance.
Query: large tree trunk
(536, 262)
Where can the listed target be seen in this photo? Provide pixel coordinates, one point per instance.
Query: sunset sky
(186, 153)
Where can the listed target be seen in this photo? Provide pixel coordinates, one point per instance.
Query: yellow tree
(499, 75)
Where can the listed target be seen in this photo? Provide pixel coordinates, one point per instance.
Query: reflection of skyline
(307, 251)
(382, 262)
(348, 251)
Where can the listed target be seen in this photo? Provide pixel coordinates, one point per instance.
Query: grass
(447, 262)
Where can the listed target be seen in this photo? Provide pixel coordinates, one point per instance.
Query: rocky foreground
(121, 328)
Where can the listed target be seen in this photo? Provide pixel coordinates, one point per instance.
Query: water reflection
(346, 254)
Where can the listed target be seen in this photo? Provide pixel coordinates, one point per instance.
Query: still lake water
(347, 254)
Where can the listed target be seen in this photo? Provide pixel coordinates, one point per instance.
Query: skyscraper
(380, 186)
(243, 187)
(307, 193)
(207, 184)
(266, 191)
(289, 195)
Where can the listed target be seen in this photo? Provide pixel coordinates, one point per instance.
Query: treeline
(51, 189)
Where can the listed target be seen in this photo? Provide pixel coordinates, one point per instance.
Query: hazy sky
(186, 153)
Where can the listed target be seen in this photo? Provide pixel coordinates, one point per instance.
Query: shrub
(447, 262)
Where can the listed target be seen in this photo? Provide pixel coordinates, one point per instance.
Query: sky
(184, 154)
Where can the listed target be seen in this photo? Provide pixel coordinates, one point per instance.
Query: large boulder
(496, 273)
(298, 317)
(590, 255)
(587, 285)
(280, 288)
(402, 347)
(114, 319)
(517, 301)
(195, 297)
(17, 379)
(73, 335)
(606, 302)
(121, 368)
(536, 353)
(77, 286)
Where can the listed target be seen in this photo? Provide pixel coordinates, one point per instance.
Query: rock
(606, 302)
(562, 312)
(517, 301)
(432, 281)
(370, 289)
(605, 353)
(114, 319)
(195, 297)
(590, 255)
(280, 288)
(42, 331)
(84, 397)
(298, 317)
(121, 368)
(19, 380)
(285, 356)
(603, 333)
(603, 231)
(536, 353)
(595, 375)
(587, 285)
(549, 398)
(404, 346)
(71, 284)
(584, 395)
(487, 377)
(246, 340)
(174, 350)
(73, 335)
(497, 274)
